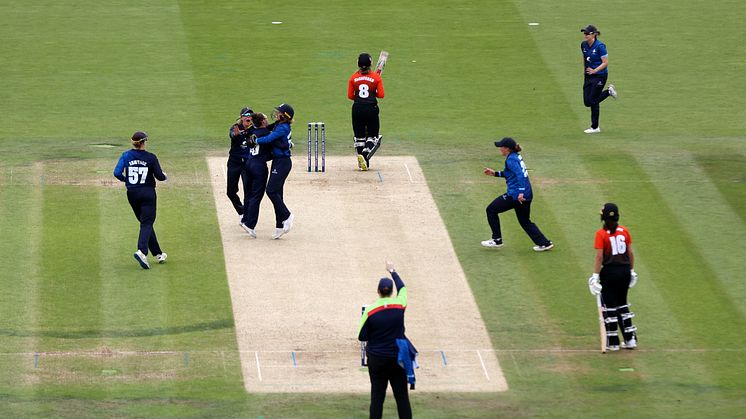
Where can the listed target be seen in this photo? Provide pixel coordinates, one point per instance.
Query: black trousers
(614, 287)
(281, 167)
(255, 183)
(383, 371)
(522, 211)
(594, 94)
(365, 121)
(234, 175)
(144, 202)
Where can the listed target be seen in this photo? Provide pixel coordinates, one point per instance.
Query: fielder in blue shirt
(518, 197)
(255, 173)
(280, 139)
(139, 169)
(595, 68)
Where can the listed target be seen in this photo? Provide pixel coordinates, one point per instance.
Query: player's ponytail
(517, 148)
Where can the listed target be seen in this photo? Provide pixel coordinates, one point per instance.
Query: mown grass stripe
(705, 215)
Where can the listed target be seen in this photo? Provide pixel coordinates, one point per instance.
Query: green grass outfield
(78, 76)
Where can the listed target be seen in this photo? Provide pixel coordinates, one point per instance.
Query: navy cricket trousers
(383, 371)
(234, 174)
(255, 176)
(594, 94)
(143, 202)
(522, 211)
(280, 170)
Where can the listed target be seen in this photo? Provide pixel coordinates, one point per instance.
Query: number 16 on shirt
(382, 58)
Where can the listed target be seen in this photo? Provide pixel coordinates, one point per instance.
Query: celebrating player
(255, 173)
(518, 197)
(139, 169)
(595, 65)
(365, 87)
(280, 139)
(613, 275)
(239, 133)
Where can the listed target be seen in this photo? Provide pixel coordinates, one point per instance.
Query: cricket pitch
(296, 300)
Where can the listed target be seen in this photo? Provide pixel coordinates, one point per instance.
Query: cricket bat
(601, 323)
(382, 58)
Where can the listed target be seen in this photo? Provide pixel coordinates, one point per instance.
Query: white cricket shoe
(630, 344)
(249, 230)
(142, 259)
(592, 130)
(612, 348)
(612, 91)
(544, 248)
(288, 224)
(278, 233)
(161, 258)
(492, 243)
(361, 163)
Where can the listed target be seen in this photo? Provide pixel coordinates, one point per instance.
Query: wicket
(318, 127)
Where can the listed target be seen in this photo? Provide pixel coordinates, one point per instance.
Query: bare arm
(599, 258)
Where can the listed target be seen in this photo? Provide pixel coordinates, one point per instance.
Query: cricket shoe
(492, 243)
(544, 247)
(288, 224)
(278, 233)
(361, 163)
(249, 230)
(592, 130)
(630, 344)
(161, 258)
(612, 91)
(142, 259)
(612, 348)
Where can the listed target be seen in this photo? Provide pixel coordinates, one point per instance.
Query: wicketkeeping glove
(594, 285)
(633, 278)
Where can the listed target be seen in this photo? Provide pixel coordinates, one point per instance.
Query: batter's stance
(139, 169)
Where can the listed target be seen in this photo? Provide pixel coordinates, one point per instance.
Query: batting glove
(594, 285)
(633, 278)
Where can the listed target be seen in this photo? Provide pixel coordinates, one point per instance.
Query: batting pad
(296, 300)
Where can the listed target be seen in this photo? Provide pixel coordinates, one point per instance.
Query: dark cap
(589, 29)
(385, 286)
(506, 142)
(139, 136)
(286, 110)
(610, 212)
(364, 60)
(246, 111)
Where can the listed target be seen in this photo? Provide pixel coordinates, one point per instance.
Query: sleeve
(598, 243)
(401, 289)
(379, 88)
(629, 238)
(119, 169)
(602, 51)
(230, 131)
(281, 130)
(157, 171)
(351, 89)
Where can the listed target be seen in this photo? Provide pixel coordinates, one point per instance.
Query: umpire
(381, 325)
(239, 133)
(139, 169)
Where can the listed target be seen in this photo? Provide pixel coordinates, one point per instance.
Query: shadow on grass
(93, 333)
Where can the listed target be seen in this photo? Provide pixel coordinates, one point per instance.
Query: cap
(139, 136)
(589, 29)
(364, 60)
(287, 110)
(506, 142)
(385, 286)
(246, 111)
(610, 212)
